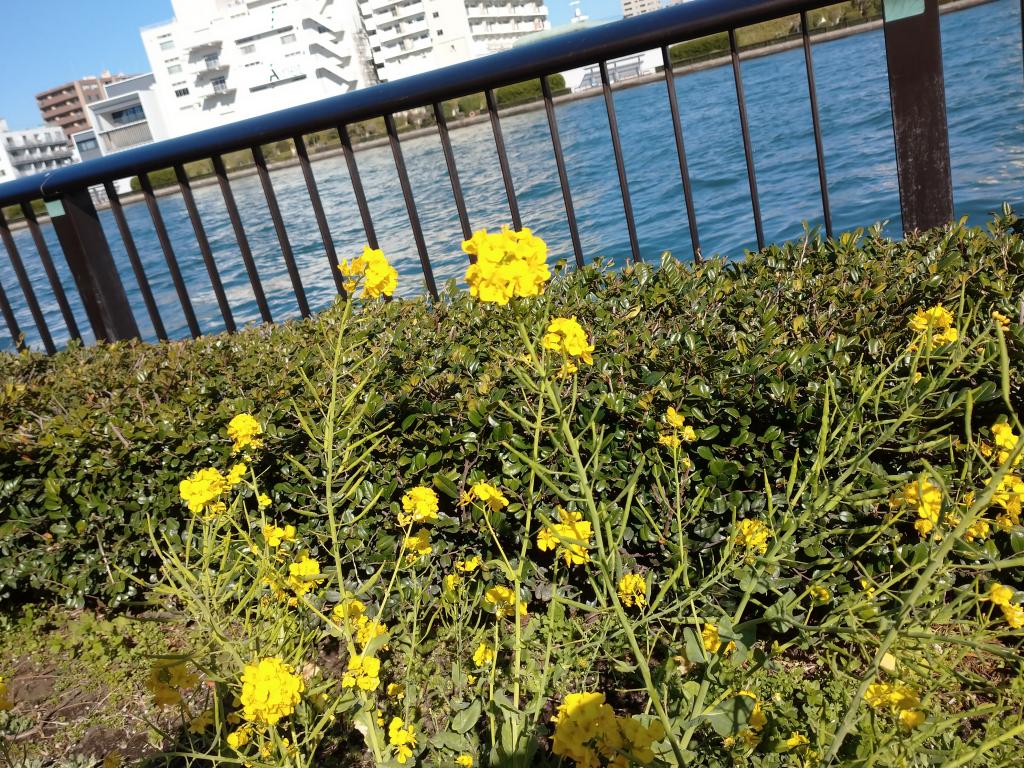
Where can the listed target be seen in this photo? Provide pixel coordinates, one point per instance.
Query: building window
(286, 39)
(132, 114)
(166, 45)
(437, 15)
(440, 33)
(248, 49)
(181, 92)
(174, 69)
(84, 145)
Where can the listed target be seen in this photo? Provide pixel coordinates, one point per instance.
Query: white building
(23, 153)
(408, 37)
(224, 60)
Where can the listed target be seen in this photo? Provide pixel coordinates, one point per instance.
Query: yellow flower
(167, 678)
(1009, 494)
(670, 440)
(483, 656)
(935, 318)
(1000, 595)
(506, 264)
(402, 738)
(587, 730)
(201, 722)
(303, 575)
(244, 431)
(363, 673)
(1001, 320)
(469, 565)
(201, 491)
(503, 601)
(688, 434)
(240, 737)
(5, 701)
(911, 718)
(901, 701)
(757, 720)
(753, 536)
(819, 594)
(633, 590)
(420, 506)
(378, 276)
(270, 691)
(567, 337)
(263, 501)
(349, 609)
(570, 536)
(1014, 615)
(396, 691)
(418, 545)
(368, 629)
(712, 642)
(275, 535)
(465, 761)
(674, 418)
(236, 474)
(925, 497)
(489, 495)
(452, 582)
(797, 740)
(568, 369)
(1006, 440)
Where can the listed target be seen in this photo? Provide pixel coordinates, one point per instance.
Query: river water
(984, 78)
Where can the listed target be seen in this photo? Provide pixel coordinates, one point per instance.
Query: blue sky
(44, 44)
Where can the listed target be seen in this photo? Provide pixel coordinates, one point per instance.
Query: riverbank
(465, 122)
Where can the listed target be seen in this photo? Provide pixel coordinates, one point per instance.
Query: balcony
(126, 136)
(413, 29)
(211, 65)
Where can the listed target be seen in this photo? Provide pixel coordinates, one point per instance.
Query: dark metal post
(87, 251)
(913, 52)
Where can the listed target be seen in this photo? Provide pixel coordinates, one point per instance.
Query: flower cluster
(402, 738)
(352, 613)
(679, 431)
(901, 701)
(379, 278)
(1002, 596)
(244, 432)
(753, 536)
(587, 730)
(419, 505)
(924, 497)
(712, 641)
(750, 736)
(363, 673)
(167, 679)
(5, 701)
(270, 691)
(1006, 442)
(506, 264)
(502, 601)
(483, 656)
(488, 495)
(275, 535)
(202, 490)
(934, 325)
(570, 536)
(565, 336)
(633, 590)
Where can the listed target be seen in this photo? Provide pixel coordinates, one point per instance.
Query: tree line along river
(984, 76)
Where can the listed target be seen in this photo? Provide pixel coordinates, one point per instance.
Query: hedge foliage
(93, 440)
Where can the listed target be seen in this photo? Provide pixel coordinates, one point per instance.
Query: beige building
(65, 106)
(636, 7)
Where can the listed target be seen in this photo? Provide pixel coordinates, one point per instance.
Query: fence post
(913, 52)
(85, 247)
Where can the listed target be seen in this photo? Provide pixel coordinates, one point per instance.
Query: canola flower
(363, 672)
(489, 495)
(270, 691)
(633, 590)
(925, 498)
(757, 719)
(396, 691)
(419, 505)
(5, 700)
(1006, 441)
(819, 594)
(1008, 494)
(680, 432)
(565, 336)
(502, 601)
(587, 731)
(506, 264)
(464, 761)
(1001, 320)
(452, 582)
(240, 737)
(202, 722)
(167, 679)
(469, 564)
(1002, 596)
(377, 275)
(244, 431)
(303, 575)
(796, 741)
(936, 321)
(483, 656)
(202, 490)
(712, 641)
(276, 535)
(900, 701)
(570, 536)
(418, 545)
(402, 738)
(263, 501)
(753, 536)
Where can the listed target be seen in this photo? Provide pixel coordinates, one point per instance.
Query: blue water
(985, 102)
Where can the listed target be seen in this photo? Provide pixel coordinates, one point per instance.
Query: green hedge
(94, 440)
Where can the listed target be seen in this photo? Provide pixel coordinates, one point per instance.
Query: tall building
(636, 7)
(219, 61)
(65, 105)
(23, 153)
(408, 37)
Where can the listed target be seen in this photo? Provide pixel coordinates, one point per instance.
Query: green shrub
(92, 441)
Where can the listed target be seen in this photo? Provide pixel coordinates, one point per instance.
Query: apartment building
(636, 7)
(219, 61)
(408, 37)
(23, 153)
(65, 105)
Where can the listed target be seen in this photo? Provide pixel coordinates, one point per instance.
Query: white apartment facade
(408, 37)
(224, 60)
(24, 153)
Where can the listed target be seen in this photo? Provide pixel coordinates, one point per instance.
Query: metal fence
(919, 122)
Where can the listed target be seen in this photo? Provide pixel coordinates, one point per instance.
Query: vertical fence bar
(26, 285)
(204, 247)
(563, 176)
(913, 52)
(620, 165)
(282, 233)
(410, 204)
(12, 322)
(169, 257)
(816, 120)
(453, 171)
(133, 256)
(84, 243)
(243, 240)
(51, 273)
(357, 186)
(748, 153)
(318, 213)
(506, 171)
(684, 171)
